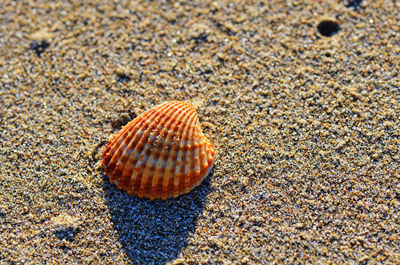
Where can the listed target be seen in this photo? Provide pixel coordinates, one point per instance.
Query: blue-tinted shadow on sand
(155, 232)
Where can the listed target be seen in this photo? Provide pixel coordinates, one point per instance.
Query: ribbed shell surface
(163, 153)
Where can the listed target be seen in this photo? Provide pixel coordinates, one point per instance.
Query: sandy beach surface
(301, 100)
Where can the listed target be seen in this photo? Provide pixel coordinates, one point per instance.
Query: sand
(305, 128)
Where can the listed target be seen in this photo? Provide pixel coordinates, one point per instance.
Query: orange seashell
(163, 153)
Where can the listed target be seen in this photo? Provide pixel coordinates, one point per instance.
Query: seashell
(162, 153)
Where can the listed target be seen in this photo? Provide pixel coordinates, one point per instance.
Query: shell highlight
(161, 154)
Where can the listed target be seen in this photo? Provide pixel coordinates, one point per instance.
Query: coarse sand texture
(300, 100)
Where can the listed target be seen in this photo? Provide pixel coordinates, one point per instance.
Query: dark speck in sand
(123, 120)
(201, 38)
(123, 78)
(39, 47)
(354, 3)
(328, 28)
(66, 233)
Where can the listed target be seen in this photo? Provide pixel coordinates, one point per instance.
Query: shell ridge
(116, 139)
(200, 150)
(120, 146)
(135, 184)
(146, 135)
(124, 145)
(156, 189)
(189, 164)
(133, 123)
(204, 160)
(179, 174)
(210, 162)
(161, 127)
(196, 155)
(120, 156)
(205, 163)
(129, 141)
(169, 184)
(210, 153)
(174, 151)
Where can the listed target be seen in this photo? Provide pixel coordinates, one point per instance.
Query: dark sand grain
(305, 128)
